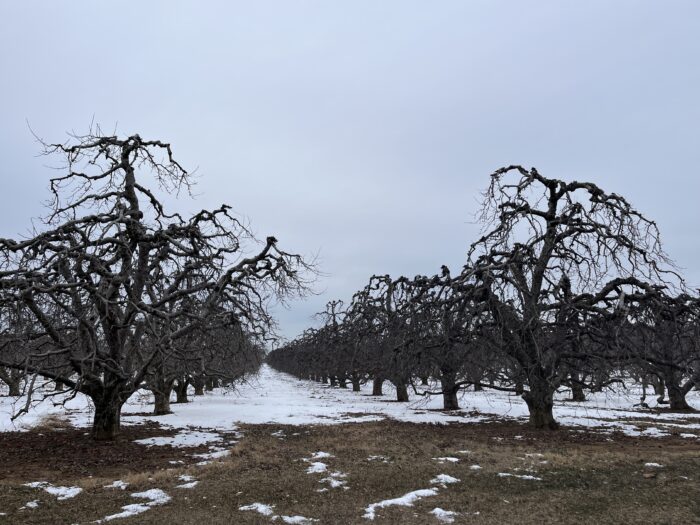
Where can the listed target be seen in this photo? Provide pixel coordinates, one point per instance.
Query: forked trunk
(377, 386)
(676, 396)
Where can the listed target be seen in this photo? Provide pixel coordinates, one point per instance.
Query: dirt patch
(55, 455)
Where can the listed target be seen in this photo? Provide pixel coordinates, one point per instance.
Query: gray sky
(364, 130)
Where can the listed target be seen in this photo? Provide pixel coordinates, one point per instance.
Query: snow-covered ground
(275, 397)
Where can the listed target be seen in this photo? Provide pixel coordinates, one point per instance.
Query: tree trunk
(181, 391)
(343, 382)
(449, 391)
(478, 387)
(540, 401)
(677, 398)
(324, 380)
(162, 402)
(355, 385)
(519, 387)
(401, 391)
(377, 386)
(106, 423)
(424, 381)
(577, 393)
(198, 384)
(334, 381)
(659, 390)
(14, 388)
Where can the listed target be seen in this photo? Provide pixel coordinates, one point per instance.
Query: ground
(269, 455)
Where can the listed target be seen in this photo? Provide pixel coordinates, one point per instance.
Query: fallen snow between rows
(519, 476)
(275, 397)
(155, 498)
(184, 438)
(446, 516)
(62, 493)
(407, 500)
(268, 510)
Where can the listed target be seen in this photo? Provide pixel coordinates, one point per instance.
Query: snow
(31, 504)
(189, 485)
(275, 397)
(260, 508)
(119, 484)
(184, 438)
(475, 467)
(296, 519)
(155, 498)
(519, 476)
(447, 460)
(653, 465)
(444, 479)
(62, 493)
(321, 455)
(407, 500)
(445, 516)
(316, 467)
(335, 480)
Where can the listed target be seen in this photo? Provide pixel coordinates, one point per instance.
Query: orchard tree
(111, 279)
(551, 251)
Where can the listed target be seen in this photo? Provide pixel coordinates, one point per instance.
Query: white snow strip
(296, 519)
(445, 516)
(60, 492)
(260, 508)
(447, 460)
(519, 476)
(653, 465)
(31, 504)
(155, 496)
(188, 485)
(184, 438)
(444, 479)
(407, 500)
(475, 467)
(119, 484)
(321, 455)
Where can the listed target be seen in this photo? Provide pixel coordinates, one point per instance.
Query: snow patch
(260, 508)
(184, 438)
(60, 492)
(444, 479)
(519, 476)
(119, 484)
(407, 500)
(445, 516)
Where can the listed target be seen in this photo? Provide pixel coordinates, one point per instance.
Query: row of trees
(568, 287)
(115, 293)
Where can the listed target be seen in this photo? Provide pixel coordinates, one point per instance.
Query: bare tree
(551, 250)
(111, 279)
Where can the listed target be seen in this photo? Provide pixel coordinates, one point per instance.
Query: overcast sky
(364, 130)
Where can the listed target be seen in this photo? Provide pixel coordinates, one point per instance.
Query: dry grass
(52, 423)
(585, 478)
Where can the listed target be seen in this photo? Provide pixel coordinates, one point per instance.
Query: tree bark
(540, 401)
(14, 388)
(198, 384)
(677, 398)
(106, 422)
(181, 391)
(343, 382)
(355, 385)
(377, 383)
(401, 391)
(162, 402)
(449, 391)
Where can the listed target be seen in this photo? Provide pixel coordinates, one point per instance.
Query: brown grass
(586, 477)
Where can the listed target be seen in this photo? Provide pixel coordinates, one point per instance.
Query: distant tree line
(567, 288)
